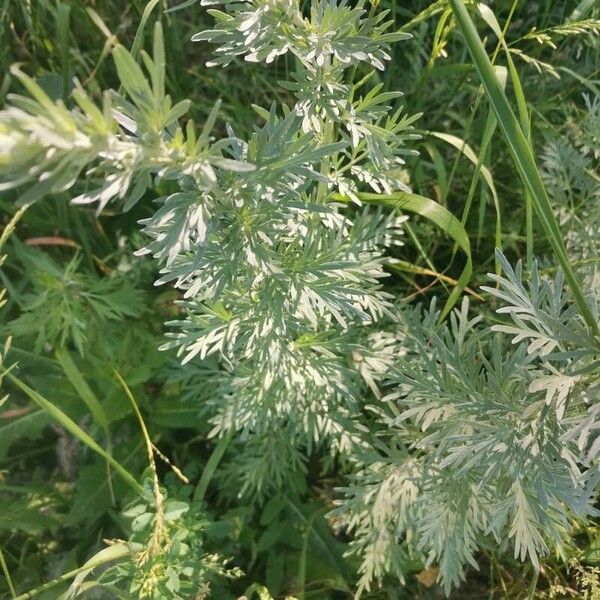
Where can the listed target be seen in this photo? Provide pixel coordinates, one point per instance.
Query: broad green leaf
(113, 553)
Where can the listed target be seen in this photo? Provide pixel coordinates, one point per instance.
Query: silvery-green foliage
(279, 283)
(333, 32)
(570, 170)
(273, 461)
(276, 314)
(482, 431)
(301, 275)
(484, 438)
(121, 145)
(331, 39)
(541, 312)
(567, 173)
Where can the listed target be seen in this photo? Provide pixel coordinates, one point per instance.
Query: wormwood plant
(483, 439)
(276, 279)
(451, 434)
(569, 169)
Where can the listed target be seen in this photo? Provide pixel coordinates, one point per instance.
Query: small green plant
(65, 305)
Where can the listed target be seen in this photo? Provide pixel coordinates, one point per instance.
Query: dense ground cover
(376, 250)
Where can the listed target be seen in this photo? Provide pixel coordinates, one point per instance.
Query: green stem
(211, 467)
(533, 587)
(10, 226)
(6, 572)
(304, 553)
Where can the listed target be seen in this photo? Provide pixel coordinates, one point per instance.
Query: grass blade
(63, 22)
(139, 34)
(113, 553)
(82, 388)
(522, 156)
(91, 401)
(7, 576)
(67, 423)
(480, 168)
(438, 215)
(489, 17)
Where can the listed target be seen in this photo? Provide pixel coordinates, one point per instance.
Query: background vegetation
(86, 320)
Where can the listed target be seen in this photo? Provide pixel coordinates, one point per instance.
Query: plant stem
(211, 466)
(6, 572)
(158, 534)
